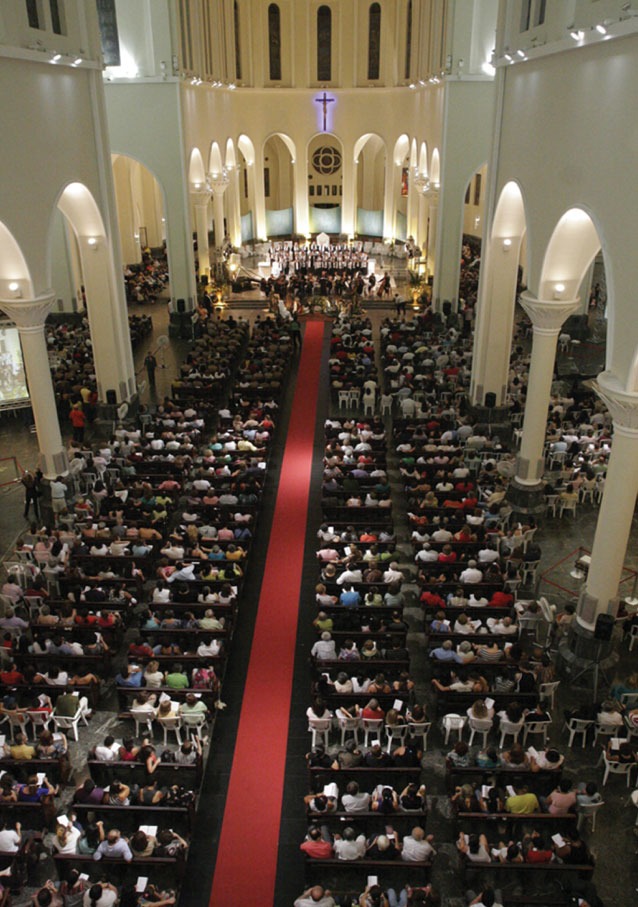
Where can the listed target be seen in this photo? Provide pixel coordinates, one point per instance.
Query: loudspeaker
(111, 398)
(181, 305)
(490, 400)
(604, 627)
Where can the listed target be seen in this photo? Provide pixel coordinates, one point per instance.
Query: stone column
(300, 178)
(600, 593)
(389, 204)
(432, 196)
(234, 208)
(218, 183)
(420, 185)
(201, 197)
(547, 318)
(29, 316)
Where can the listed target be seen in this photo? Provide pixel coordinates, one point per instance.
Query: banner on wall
(279, 223)
(404, 182)
(247, 232)
(325, 220)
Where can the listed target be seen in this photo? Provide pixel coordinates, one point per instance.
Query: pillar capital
(548, 316)
(201, 195)
(29, 315)
(622, 405)
(218, 182)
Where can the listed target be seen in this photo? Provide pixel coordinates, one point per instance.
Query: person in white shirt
(107, 751)
(324, 648)
(9, 838)
(471, 574)
(416, 846)
(354, 800)
(349, 846)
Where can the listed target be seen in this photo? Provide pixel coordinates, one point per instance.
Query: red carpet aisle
(247, 853)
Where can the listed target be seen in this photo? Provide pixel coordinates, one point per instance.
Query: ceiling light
(508, 57)
(521, 53)
(600, 28)
(56, 57)
(77, 61)
(577, 34)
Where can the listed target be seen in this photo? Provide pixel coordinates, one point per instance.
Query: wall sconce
(197, 186)
(507, 245)
(92, 243)
(14, 288)
(559, 289)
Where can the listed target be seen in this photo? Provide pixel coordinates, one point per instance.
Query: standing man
(31, 485)
(78, 421)
(151, 364)
(294, 329)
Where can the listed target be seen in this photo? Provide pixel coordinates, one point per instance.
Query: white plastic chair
(633, 637)
(39, 720)
(481, 726)
(371, 728)
(369, 401)
(605, 730)
(349, 726)
(193, 724)
(64, 723)
(528, 571)
(453, 723)
(421, 729)
(170, 723)
(344, 399)
(17, 722)
(320, 730)
(577, 726)
(569, 506)
(588, 490)
(616, 768)
(547, 691)
(143, 718)
(589, 812)
(551, 503)
(536, 727)
(510, 729)
(386, 404)
(355, 398)
(528, 535)
(396, 734)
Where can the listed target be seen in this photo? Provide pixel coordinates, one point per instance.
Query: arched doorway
(279, 185)
(106, 306)
(370, 162)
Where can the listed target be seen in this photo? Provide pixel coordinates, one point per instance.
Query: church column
(300, 177)
(412, 207)
(617, 506)
(29, 316)
(432, 226)
(233, 216)
(421, 184)
(218, 183)
(201, 197)
(495, 318)
(261, 230)
(389, 204)
(349, 185)
(547, 318)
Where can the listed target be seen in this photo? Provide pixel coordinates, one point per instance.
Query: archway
(141, 209)
(370, 160)
(104, 292)
(400, 189)
(325, 183)
(499, 280)
(279, 185)
(246, 178)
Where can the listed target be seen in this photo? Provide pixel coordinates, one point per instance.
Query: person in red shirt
(12, 676)
(537, 849)
(431, 599)
(315, 846)
(372, 710)
(78, 421)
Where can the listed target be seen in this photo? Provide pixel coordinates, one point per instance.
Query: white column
(300, 177)
(495, 319)
(29, 316)
(201, 197)
(219, 183)
(617, 507)
(432, 226)
(388, 199)
(234, 208)
(259, 210)
(412, 207)
(348, 202)
(547, 318)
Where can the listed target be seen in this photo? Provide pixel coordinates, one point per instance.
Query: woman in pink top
(562, 800)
